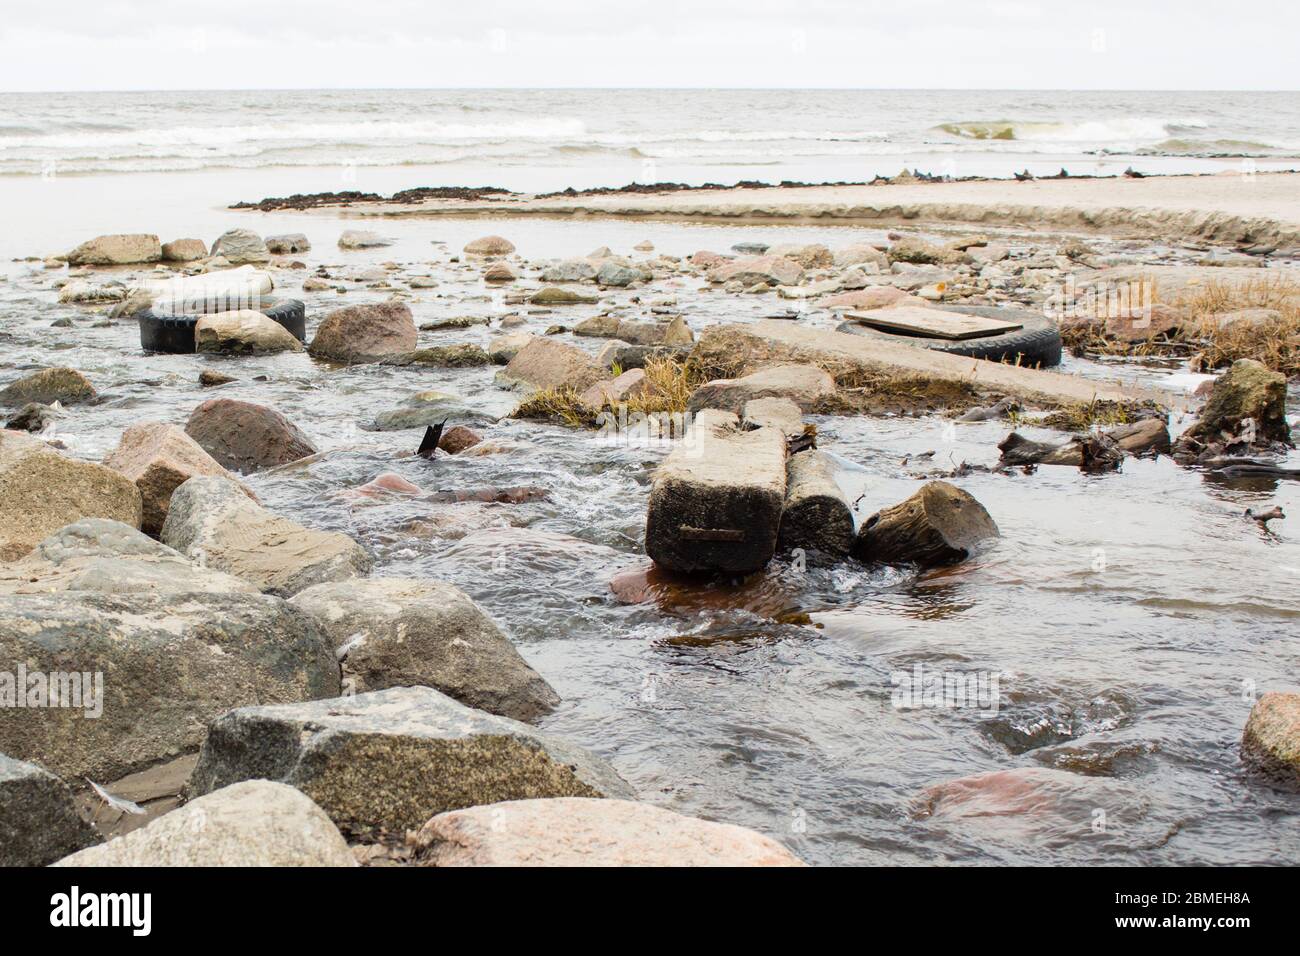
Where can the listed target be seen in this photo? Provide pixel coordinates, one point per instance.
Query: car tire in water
(1036, 344)
(175, 333)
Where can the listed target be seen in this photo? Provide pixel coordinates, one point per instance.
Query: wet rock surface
(401, 632)
(39, 822)
(256, 823)
(246, 437)
(44, 490)
(212, 520)
(389, 761)
(173, 661)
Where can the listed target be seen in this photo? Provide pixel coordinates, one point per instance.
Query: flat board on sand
(932, 323)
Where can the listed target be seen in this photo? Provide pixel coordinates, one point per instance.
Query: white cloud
(1031, 44)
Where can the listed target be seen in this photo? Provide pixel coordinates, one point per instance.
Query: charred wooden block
(716, 501)
(816, 516)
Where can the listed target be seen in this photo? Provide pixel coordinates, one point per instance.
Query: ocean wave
(364, 131)
(1212, 149)
(1099, 131)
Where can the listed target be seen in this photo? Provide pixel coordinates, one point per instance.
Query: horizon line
(663, 89)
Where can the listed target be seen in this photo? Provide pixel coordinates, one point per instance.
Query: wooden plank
(933, 323)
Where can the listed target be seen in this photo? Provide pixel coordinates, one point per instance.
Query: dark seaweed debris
(300, 201)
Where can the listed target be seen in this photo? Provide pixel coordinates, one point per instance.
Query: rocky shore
(301, 699)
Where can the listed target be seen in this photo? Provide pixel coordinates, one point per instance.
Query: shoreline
(1260, 209)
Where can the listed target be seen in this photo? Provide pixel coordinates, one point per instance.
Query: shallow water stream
(1129, 619)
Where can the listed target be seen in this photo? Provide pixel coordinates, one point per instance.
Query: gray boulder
(240, 246)
(290, 243)
(617, 274)
(212, 521)
(39, 822)
(116, 250)
(362, 239)
(109, 557)
(151, 671)
(403, 632)
(570, 270)
(545, 363)
(256, 823)
(390, 760)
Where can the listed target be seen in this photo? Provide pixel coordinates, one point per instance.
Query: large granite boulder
(213, 522)
(289, 243)
(159, 458)
(255, 823)
(243, 332)
(755, 270)
(1270, 744)
(184, 250)
(576, 831)
(116, 250)
(151, 672)
(489, 246)
(390, 760)
(547, 364)
(43, 490)
(97, 554)
(404, 632)
(362, 239)
(246, 437)
(570, 270)
(365, 333)
(39, 822)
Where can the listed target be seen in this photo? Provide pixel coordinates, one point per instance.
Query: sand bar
(1263, 208)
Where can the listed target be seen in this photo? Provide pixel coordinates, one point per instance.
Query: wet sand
(1232, 208)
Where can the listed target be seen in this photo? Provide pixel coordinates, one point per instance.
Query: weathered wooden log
(716, 502)
(816, 516)
(1097, 452)
(1142, 437)
(940, 524)
(1018, 450)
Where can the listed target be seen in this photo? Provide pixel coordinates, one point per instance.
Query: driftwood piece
(940, 524)
(1018, 450)
(816, 516)
(1150, 435)
(1101, 451)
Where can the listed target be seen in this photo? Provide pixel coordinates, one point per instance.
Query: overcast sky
(1023, 44)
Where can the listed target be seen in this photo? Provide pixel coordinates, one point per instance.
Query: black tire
(175, 333)
(1037, 344)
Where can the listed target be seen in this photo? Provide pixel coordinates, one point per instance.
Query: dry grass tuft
(557, 406)
(1204, 341)
(670, 386)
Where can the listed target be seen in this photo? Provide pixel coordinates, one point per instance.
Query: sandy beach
(1229, 207)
